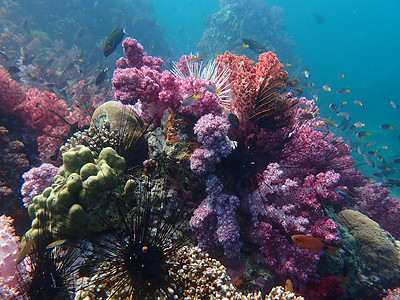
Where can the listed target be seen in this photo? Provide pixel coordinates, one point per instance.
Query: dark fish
(212, 89)
(395, 161)
(112, 41)
(296, 90)
(26, 27)
(384, 168)
(3, 56)
(240, 48)
(329, 122)
(255, 46)
(394, 182)
(372, 153)
(326, 88)
(346, 192)
(359, 151)
(333, 107)
(101, 77)
(307, 116)
(81, 32)
(361, 134)
(370, 144)
(386, 126)
(369, 161)
(293, 82)
(13, 70)
(190, 100)
(233, 119)
(320, 19)
(342, 91)
(320, 128)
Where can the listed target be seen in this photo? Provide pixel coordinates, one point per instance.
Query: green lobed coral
(81, 187)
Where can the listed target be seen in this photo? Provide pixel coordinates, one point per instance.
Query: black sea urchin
(51, 271)
(133, 262)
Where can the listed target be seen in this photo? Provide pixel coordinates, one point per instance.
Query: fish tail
(330, 249)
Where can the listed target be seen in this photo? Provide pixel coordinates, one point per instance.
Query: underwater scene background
(199, 149)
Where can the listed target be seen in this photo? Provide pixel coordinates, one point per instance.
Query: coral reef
(139, 81)
(257, 164)
(117, 126)
(392, 294)
(139, 77)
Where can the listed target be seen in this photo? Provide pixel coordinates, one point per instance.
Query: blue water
(358, 39)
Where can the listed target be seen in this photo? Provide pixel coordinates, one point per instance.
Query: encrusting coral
(82, 183)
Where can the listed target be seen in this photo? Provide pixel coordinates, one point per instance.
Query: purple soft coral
(211, 133)
(139, 78)
(215, 219)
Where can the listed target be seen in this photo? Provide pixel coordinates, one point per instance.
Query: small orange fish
(238, 281)
(312, 243)
(288, 286)
(55, 244)
(195, 59)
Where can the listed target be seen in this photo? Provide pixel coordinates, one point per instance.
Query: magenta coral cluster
(47, 117)
(9, 249)
(139, 80)
(36, 180)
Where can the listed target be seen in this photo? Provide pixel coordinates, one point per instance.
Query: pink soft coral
(9, 249)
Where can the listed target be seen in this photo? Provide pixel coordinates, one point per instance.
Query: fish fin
(330, 249)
